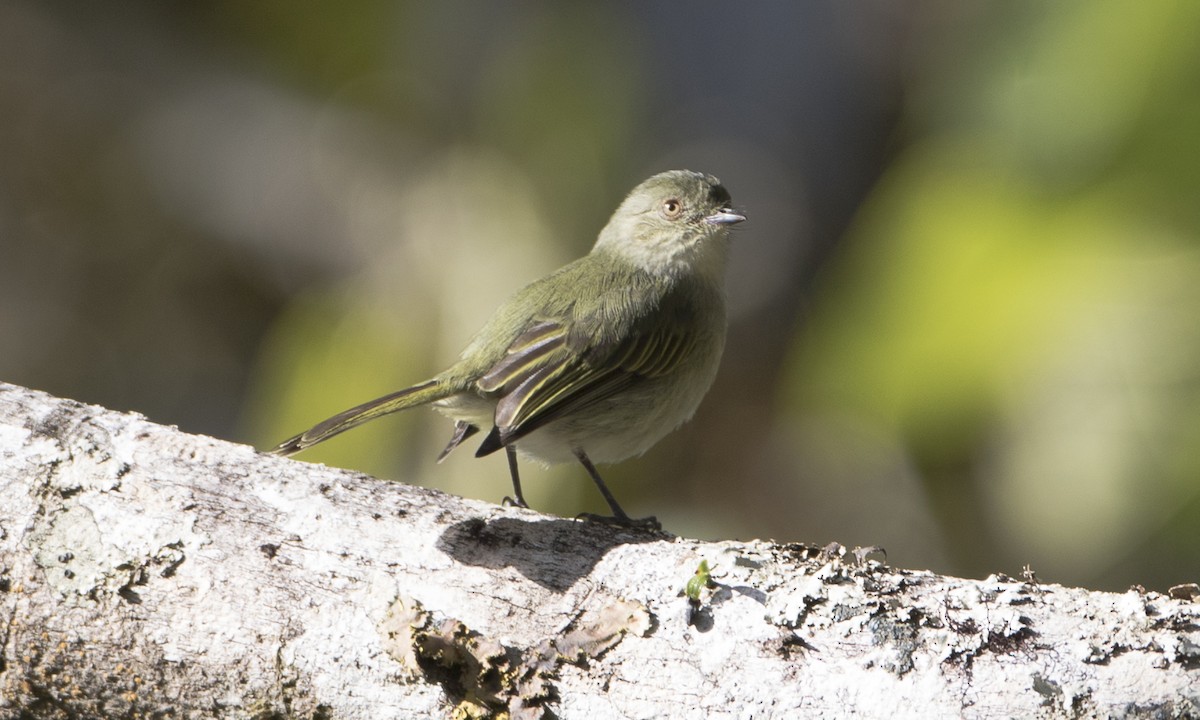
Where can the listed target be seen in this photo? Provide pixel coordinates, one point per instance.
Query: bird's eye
(672, 208)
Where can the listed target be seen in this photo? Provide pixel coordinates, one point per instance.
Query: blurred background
(965, 312)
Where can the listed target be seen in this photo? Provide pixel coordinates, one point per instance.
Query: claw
(518, 503)
(648, 524)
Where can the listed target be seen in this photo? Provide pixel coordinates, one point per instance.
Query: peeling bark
(145, 572)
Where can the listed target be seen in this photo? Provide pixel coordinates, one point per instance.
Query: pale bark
(145, 572)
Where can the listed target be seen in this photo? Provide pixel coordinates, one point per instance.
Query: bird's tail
(422, 394)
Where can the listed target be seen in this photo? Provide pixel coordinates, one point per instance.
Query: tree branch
(146, 572)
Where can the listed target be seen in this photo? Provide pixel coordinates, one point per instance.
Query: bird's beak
(725, 216)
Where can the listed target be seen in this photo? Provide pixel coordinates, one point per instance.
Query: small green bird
(599, 359)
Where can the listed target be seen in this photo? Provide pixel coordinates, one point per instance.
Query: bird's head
(676, 222)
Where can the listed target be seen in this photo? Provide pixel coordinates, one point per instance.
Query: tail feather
(421, 394)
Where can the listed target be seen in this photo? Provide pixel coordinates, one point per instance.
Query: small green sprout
(698, 582)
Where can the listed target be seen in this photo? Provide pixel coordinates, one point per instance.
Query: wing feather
(544, 375)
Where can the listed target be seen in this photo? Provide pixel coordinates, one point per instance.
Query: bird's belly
(628, 424)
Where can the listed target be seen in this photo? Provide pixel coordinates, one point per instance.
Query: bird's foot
(518, 503)
(648, 524)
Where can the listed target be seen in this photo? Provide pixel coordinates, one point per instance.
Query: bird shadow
(552, 553)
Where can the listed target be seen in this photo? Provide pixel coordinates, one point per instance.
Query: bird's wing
(550, 371)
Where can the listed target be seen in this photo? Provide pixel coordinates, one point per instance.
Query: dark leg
(619, 516)
(516, 478)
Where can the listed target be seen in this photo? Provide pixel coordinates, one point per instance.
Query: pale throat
(700, 253)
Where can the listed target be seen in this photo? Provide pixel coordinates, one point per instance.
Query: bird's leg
(519, 501)
(619, 517)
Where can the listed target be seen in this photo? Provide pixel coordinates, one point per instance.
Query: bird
(598, 360)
